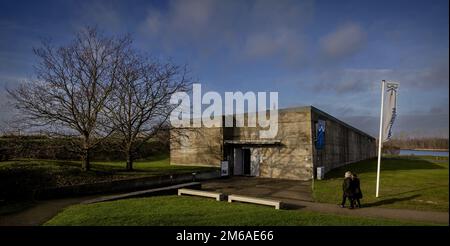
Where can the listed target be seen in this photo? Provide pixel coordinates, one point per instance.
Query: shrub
(42, 147)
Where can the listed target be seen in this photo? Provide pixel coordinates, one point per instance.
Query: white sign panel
(224, 168)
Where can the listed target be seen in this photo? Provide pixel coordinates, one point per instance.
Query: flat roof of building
(323, 113)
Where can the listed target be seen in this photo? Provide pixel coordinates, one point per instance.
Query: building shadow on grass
(387, 164)
(389, 201)
(423, 189)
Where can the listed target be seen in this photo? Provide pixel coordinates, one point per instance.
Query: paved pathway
(40, 212)
(297, 194)
(386, 213)
(261, 187)
(44, 210)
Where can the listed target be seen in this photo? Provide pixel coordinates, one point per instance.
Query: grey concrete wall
(123, 185)
(294, 158)
(344, 144)
(196, 146)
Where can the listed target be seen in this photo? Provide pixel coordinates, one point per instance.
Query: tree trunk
(129, 156)
(85, 156)
(85, 160)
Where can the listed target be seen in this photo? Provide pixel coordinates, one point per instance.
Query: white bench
(216, 195)
(268, 202)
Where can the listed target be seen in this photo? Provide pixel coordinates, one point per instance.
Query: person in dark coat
(347, 189)
(357, 193)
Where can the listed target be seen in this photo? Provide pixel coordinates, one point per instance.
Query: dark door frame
(246, 161)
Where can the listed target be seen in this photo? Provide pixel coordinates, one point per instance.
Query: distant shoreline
(437, 150)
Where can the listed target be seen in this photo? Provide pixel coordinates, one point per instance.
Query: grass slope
(419, 183)
(54, 173)
(191, 211)
(19, 178)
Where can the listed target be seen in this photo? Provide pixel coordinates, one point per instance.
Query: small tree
(140, 107)
(73, 85)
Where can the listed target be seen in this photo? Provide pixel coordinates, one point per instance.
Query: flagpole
(380, 138)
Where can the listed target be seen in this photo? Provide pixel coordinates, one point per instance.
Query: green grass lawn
(18, 178)
(191, 211)
(419, 183)
(157, 165)
(53, 173)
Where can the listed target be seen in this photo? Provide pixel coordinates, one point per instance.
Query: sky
(330, 54)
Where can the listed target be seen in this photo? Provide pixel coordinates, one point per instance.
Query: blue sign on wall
(320, 139)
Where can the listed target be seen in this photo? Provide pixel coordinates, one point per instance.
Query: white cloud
(344, 41)
(99, 13)
(245, 29)
(346, 81)
(351, 80)
(182, 19)
(152, 22)
(415, 125)
(283, 42)
(194, 14)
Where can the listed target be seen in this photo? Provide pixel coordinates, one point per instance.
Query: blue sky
(331, 54)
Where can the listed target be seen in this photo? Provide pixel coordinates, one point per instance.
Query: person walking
(357, 193)
(347, 189)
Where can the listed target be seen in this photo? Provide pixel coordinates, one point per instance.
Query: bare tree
(73, 84)
(140, 106)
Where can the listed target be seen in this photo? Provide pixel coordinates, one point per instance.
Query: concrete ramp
(143, 193)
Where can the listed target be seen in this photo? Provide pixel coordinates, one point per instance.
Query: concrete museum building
(307, 138)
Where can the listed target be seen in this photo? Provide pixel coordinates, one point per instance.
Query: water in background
(423, 152)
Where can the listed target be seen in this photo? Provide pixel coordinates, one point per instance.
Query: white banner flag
(390, 110)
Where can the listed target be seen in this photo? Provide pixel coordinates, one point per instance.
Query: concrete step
(255, 200)
(218, 196)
